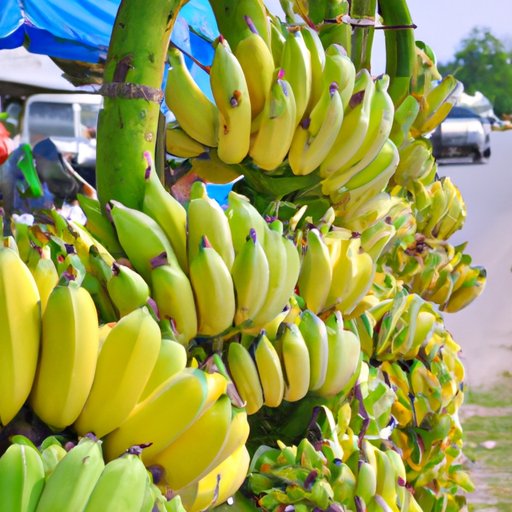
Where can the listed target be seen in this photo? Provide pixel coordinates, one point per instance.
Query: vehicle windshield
(463, 112)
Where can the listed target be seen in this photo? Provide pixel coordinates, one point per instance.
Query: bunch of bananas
(309, 355)
(55, 477)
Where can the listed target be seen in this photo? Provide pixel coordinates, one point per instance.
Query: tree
(483, 63)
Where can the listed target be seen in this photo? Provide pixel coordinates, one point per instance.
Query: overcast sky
(442, 24)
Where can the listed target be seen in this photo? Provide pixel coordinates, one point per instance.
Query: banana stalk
(128, 122)
(363, 11)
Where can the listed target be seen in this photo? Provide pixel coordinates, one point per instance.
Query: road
(484, 328)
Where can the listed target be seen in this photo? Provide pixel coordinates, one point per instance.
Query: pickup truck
(462, 134)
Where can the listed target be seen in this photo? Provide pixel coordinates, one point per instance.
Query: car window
(46, 119)
(460, 112)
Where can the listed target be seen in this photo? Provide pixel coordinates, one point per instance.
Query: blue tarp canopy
(80, 29)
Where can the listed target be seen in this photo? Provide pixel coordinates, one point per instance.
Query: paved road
(484, 328)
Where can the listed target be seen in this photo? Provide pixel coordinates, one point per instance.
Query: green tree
(483, 63)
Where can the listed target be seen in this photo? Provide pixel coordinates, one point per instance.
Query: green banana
(127, 289)
(250, 275)
(314, 332)
(21, 478)
(70, 485)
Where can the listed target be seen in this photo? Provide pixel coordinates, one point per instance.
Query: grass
(487, 422)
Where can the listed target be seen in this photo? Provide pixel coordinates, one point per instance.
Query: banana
(404, 117)
(211, 169)
(256, 59)
(269, 369)
(398, 466)
(163, 416)
(317, 56)
(296, 64)
(436, 105)
(188, 102)
(274, 126)
(191, 456)
(379, 128)
(355, 124)
(416, 161)
(316, 133)
(124, 366)
(343, 359)
(19, 313)
(21, 478)
(121, 486)
(363, 272)
(295, 360)
(127, 289)
(69, 350)
(375, 238)
(179, 143)
(314, 332)
(340, 69)
(173, 294)
(466, 294)
(250, 275)
(386, 479)
(171, 360)
(219, 484)
(277, 41)
(213, 290)
(45, 276)
(366, 486)
(229, 88)
(51, 455)
(70, 485)
(242, 217)
(244, 372)
(132, 226)
(315, 273)
(167, 212)
(284, 267)
(207, 218)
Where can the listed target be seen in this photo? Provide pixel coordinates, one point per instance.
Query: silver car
(462, 134)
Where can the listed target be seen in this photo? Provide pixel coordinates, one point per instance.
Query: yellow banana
(317, 56)
(344, 357)
(172, 359)
(354, 127)
(172, 291)
(315, 272)
(366, 486)
(257, 62)
(270, 370)
(379, 127)
(45, 275)
(179, 143)
(316, 134)
(127, 289)
(207, 218)
(274, 126)
(213, 290)
(19, 313)
(250, 275)
(229, 88)
(163, 416)
(188, 102)
(294, 355)
(296, 64)
(375, 238)
(244, 372)
(191, 455)
(211, 169)
(340, 69)
(219, 484)
(168, 213)
(314, 332)
(69, 350)
(124, 366)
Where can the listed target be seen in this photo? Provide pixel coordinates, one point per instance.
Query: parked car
(462, 134)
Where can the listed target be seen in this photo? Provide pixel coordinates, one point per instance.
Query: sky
(442, 24)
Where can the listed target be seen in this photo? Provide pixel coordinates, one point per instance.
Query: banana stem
(362, 36)
(132, 88)
(400, 47)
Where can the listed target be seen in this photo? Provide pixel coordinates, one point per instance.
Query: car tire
(487, 153)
